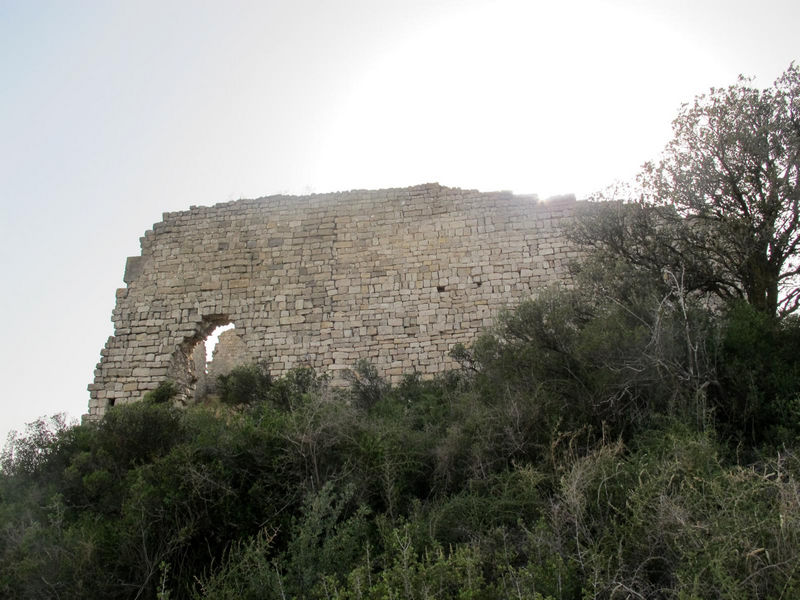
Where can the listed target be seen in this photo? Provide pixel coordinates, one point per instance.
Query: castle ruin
(395, 276)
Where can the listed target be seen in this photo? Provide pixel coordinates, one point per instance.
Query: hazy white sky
(114, 112)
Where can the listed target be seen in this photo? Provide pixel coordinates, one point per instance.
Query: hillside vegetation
(632, 436)
(586, 449)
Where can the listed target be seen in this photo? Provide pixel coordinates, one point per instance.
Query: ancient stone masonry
(394, 276)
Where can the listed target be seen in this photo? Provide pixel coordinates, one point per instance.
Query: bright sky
(114, 112)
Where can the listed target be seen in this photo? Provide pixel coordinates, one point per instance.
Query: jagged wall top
(396, 276)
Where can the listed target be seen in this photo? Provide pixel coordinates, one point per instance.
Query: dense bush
(244, 384)
(757, 400)
(639, 445)
(165, 392)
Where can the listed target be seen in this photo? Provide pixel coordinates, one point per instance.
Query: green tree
(721, 209)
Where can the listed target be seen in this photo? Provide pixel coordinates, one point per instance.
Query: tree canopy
(720, 207)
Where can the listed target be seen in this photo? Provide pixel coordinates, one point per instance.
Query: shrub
(671, 520)
(245, 385)
(366, 385)
(757, 400)
(165, 392)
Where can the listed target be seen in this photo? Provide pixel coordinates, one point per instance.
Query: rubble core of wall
(396, 276)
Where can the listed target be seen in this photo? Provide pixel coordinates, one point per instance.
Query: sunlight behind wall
(211, 340)
(507, 96)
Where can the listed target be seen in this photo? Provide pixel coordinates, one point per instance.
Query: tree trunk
(760, 283)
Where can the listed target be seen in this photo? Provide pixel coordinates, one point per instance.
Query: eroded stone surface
(395, 276)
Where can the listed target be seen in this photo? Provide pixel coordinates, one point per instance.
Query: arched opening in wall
(225, 350)
(215, 349)
(203, 356)
(188, 366)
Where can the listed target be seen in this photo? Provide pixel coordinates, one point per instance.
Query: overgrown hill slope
(586, 449)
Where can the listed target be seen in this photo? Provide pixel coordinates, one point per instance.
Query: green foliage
(244, 385)
(34, 450)
(672, 520)
(297, 385)
(366, 384)
(327, 540)
(245, 573)
(165, 392)
(758, 397)
(592, 446)
(568, 362)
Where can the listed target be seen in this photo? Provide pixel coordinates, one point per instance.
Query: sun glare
(514, 95)
(211, 341)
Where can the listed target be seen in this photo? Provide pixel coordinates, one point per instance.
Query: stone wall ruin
(395, 276)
